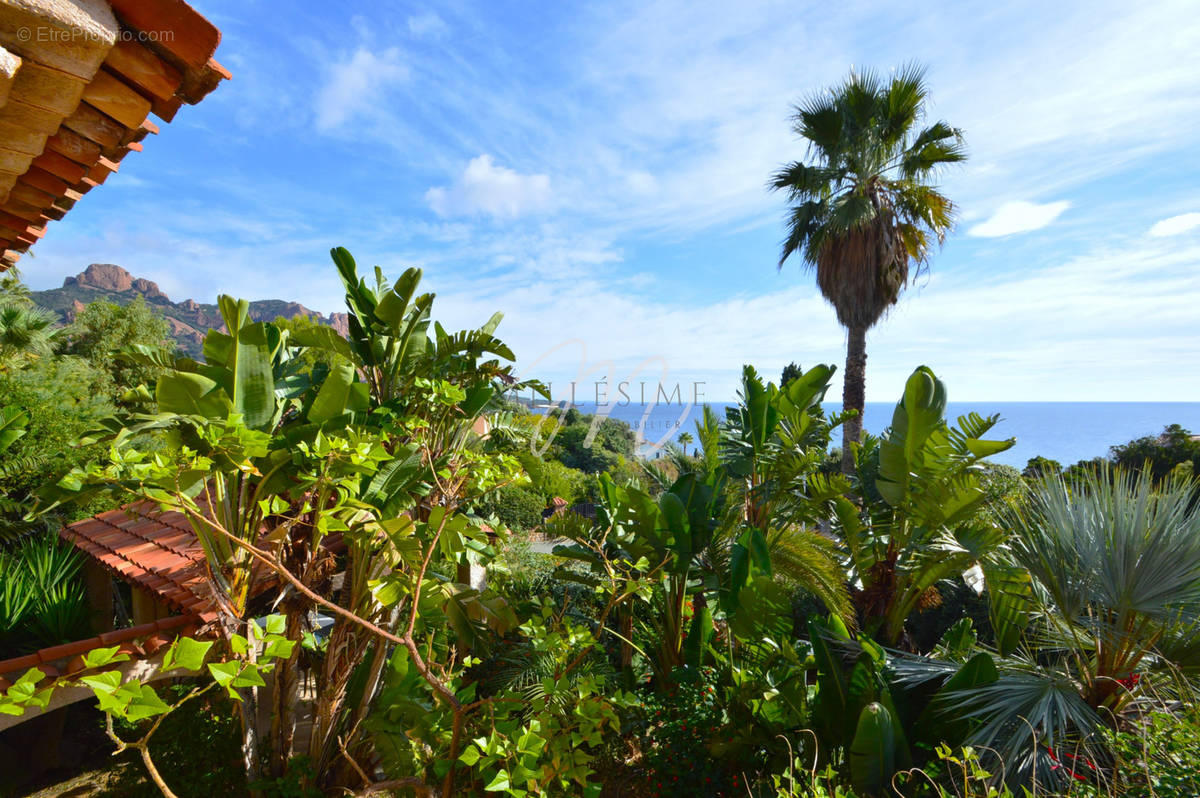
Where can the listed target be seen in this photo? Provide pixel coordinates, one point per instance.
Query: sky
(597, 172)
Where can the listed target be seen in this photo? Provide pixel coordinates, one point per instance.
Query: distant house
(559, 505)
(79, 80)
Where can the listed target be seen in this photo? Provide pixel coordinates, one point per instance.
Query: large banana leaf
(873, 752)
(12, 425)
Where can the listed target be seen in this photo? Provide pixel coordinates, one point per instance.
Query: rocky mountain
(189, 319)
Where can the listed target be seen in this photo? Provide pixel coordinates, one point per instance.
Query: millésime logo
(665, 405)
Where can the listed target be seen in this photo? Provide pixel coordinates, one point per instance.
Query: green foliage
(551, 479)
(62, 398)
(1003, 489)
(1102, 617)
(27, 332)
(42, 599)
(102, 332)
(681, 727)
(1155, 755)
(520, 573)
(209, 725)
(923, 490)
(1039, 466)
(543, 741)
(543, 722)
(588, 443)
(790, 372)
(1161, 454)
(311, 358)
(515, 506)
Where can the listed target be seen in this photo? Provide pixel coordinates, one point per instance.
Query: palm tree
(684, 439)
(1105, 618)
(26, 330)
(865, 209)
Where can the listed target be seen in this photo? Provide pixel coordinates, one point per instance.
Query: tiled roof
(78, 81)
(151, 549)
(136, 641)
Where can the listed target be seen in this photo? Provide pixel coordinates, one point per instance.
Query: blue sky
(597, 172)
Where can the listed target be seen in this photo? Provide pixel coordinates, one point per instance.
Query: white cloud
(427, 24)
(356, 86)
(568, 301)
(1175, 225)
(1019, 217)
(497, 191)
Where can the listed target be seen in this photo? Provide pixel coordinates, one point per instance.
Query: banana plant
(720, 527)
(878, 712)
(401, 352)
(919, 523)
(772, 446)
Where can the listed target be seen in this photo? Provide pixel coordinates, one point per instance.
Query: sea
(1064, 431)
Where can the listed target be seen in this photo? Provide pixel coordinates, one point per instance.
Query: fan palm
(865, 209)
(26, 331)
(1117, 562)
(1113, 608)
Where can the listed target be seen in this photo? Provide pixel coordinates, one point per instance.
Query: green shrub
(516, 507)
(520, 573)
(63, 397)
(682, 726)
(1161, 453)
(1156, 757)
(550, 478)
(1037, 467)
(43, 601)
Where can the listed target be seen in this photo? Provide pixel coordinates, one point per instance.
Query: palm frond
(808, 560)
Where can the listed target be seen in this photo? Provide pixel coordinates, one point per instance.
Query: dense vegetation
(740, 617)
(423, 588)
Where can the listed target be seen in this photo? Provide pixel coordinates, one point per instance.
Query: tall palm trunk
(854, 393)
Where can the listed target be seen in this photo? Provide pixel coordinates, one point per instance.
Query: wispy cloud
(497, 191)
(619, 200)
(428, 24)
(354, 86)
(1175, 225)
(1019, 217)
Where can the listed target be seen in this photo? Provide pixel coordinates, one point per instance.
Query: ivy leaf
(99, 657)
(186, 653)
(103, 682)
(470, 756)
(500, 783)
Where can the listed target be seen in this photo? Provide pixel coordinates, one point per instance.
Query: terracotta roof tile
(63, 123)
(141, 546)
